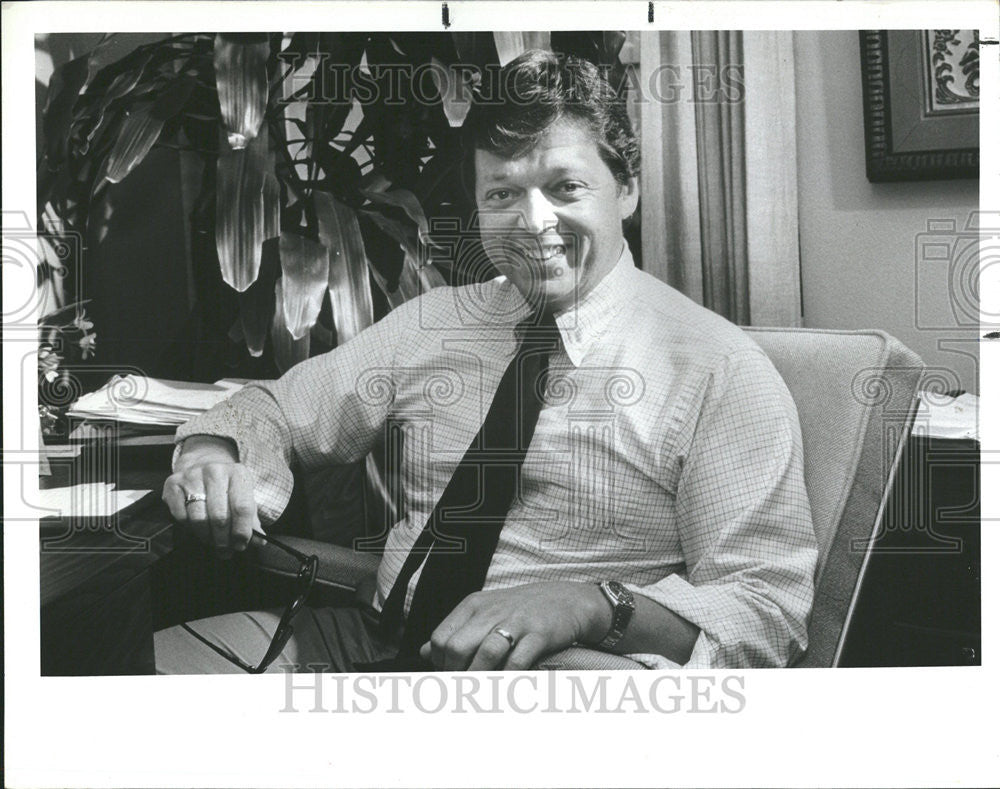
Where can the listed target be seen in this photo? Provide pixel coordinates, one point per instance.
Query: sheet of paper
(942, 417)
(88, 500)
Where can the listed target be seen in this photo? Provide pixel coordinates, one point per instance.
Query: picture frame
(921, 104)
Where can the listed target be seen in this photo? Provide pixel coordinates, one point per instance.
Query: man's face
(551, 219)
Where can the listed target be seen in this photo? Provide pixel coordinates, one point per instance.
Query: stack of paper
(152, 401)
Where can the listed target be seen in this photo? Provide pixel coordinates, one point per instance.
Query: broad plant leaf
(272, 202)
(99, 57)
(241, 221)
(257, 301)
(430, 277)
(375, 181)
(405, 289)
(512, 43)
(173, 98)
(407, 286)
(405, 199)
(305, 273)
(138, 133)
(416, 276)
(287, 350)
(241, 80)
(64, 89)
(455, 92)
(141, 129)
(466, 47)
(394, 229)
(348, 284)
(120, 87)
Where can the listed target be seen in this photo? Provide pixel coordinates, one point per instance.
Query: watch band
(623, 606)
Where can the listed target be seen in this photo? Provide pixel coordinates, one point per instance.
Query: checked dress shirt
(667, 454)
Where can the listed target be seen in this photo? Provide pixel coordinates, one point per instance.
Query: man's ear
(628, 197)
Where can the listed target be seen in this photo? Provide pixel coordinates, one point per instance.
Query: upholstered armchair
(856, 394)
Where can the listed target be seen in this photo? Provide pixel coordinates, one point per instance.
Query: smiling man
(590, 457)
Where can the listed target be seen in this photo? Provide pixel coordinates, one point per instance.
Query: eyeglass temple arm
(259, 540)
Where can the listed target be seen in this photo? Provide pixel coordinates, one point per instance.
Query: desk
(96, 591)
(106, 586)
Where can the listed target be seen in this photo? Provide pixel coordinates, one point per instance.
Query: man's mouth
(543, 254)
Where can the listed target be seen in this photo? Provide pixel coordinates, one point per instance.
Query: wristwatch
(623, 605)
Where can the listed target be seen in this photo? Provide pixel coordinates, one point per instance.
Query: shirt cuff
(711, 607)
(257, 447)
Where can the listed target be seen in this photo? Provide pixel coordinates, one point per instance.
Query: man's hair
(516, 105)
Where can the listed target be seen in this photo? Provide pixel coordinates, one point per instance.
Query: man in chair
(589, 458)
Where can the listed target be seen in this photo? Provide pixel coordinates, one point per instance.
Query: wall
(860, 241)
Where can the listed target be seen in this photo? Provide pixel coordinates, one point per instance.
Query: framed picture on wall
(921, 103)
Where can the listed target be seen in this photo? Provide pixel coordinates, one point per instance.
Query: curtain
(719, 199)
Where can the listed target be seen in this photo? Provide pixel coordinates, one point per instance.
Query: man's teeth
(548, 252)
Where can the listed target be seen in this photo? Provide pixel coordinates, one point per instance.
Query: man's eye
(499, 194)
(569, 187)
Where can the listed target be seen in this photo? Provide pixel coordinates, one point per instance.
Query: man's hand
(227, 516)
(542, 618)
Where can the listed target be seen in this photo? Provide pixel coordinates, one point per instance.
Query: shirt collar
(583, 323)
(586, 321)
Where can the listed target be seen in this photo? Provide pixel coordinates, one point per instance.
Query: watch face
(623, 595)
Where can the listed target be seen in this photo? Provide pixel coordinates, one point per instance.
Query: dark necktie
(460, 536)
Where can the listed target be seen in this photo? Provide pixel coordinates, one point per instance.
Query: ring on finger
(505, 634)
(191, 498)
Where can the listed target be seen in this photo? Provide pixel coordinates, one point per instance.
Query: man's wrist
(201, 448)
(601, 615)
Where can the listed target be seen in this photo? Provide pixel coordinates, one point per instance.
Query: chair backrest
(856, 394)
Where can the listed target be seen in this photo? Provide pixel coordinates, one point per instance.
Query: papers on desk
(141, 400)
(88, 500)
(940, 416)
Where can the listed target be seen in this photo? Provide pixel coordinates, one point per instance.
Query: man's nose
(537, 214)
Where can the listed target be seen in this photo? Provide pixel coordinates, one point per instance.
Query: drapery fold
(719, 126)
(719, 206)
(671, 235)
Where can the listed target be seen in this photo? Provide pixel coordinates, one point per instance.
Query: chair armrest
(345, 569)
(339, 567)
(584, 659)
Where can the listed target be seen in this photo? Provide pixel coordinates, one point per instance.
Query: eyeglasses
(303, 584)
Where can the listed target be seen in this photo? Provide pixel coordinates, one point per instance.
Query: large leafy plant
(318, 162)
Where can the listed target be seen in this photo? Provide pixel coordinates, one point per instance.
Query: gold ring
(191, 498)
(501, 632)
